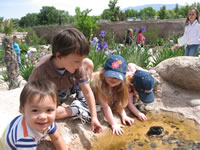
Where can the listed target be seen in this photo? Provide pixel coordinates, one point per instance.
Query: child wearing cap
(110, 87)
(141, 84)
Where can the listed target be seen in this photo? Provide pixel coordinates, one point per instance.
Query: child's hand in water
(118, 129)
(142, 116)
(127, 120)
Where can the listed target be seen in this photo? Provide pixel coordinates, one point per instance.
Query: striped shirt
(19, 136)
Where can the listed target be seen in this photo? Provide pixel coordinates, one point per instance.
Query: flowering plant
(99, 50)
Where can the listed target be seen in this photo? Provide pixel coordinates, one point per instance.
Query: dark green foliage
(1, 56)
(5, 76)
(85, 23)
(136, 54)
(26, 71)
(165, 54)
(23, 47)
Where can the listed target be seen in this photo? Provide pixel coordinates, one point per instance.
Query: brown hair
(120, 95)
(197, 17)
(70, 41)
(42, 88)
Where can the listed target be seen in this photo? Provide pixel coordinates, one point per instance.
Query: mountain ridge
(154, 6)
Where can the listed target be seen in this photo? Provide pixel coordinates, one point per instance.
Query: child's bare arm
(133, 109)
(89, 96)
(58, 141)
(117, 128)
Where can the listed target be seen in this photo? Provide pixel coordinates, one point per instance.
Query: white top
(19, 136)
(192, 33)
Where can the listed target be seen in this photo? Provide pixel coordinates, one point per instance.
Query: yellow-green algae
(176, 129)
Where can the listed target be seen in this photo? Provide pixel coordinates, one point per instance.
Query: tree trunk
(10, 59)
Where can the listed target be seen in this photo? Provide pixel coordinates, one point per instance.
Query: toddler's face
(112, 82)
(71, 62)
(40, 114)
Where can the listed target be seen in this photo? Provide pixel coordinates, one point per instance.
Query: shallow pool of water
(179, 134)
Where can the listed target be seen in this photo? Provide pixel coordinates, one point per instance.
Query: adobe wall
(165, 28)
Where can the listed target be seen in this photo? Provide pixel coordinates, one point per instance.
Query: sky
(19, 8)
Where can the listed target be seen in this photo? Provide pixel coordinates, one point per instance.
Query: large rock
(183, 71)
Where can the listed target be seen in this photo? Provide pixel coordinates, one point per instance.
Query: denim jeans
(19, 61)
(191, 50)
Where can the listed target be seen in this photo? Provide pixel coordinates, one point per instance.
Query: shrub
(5, 76)
(165, 54)
(26, 71)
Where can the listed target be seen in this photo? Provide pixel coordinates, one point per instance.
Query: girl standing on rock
(192, 32)
(110, 87)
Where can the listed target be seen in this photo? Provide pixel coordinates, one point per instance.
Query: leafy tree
(106, 14)
(184, 10)
(162, 13)
(147, 13)
(30, 20)
(8, 27)
(85, 23)
(115, 10)
(170, 14)
(176, 11)
(113, 13)
(130, 13)
(48, 15)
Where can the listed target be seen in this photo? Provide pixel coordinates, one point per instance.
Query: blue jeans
(191, 50)
(19, 61)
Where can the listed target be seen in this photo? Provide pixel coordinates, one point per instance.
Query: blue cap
(144, 83)
(115, 67)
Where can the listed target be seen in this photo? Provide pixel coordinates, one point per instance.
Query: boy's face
(71, 62)
(112, 82)
(40, 114)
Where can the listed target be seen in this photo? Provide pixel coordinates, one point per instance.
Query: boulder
(183, 71)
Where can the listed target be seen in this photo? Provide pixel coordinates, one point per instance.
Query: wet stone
(166, 132)
(140, 144)
(155, 130)
(153, 145)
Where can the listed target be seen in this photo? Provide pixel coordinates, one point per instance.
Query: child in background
(129, 38)
(142, 85)
(140, 37)
(38, 103)
(110, 87)
(192, 32)
(17, 51)
(68, 68)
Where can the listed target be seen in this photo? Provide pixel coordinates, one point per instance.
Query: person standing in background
(140, 37)
(192, 32)
(129, 39)
(17, 51)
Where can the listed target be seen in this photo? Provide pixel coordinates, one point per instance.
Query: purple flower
(102, 34)
(105, 45)
(29, 53)
(135, 30)
(94, 41)
(108, 52)
(143, 29)
(42, 53)
(102, 46)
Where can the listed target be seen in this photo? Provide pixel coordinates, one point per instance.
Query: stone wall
(165, 28)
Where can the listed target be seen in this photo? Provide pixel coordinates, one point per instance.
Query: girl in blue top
(17, 50)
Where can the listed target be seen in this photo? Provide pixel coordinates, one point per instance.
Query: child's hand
(127, 120)
(142, 117)
(96, 126)
(118, 129)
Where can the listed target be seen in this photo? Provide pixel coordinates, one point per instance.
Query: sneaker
(84, 113)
